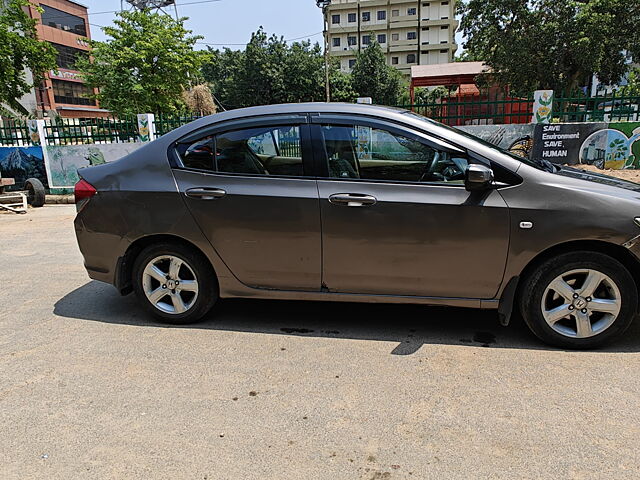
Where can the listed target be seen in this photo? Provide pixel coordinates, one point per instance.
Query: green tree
(221, 71)
(341, 84)
(304, 73)
(633, 86)
(551, 44)
(20, 50)
(268, 71)
(467, 56)
(372, 77)
(430, 95)
(145, 65)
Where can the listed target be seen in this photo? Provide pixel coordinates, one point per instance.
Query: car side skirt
(258, 293)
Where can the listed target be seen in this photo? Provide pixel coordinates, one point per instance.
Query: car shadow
(410, 326)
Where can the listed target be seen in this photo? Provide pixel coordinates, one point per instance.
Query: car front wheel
(175, 283)
(579, 300)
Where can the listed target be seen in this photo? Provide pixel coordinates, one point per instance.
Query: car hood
(600, 179)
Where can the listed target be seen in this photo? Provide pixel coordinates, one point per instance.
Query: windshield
(540, 165)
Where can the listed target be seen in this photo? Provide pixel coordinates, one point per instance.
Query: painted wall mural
(22, 163)
(604, 145)
(63, 161)
(517, 138)
(614, 147)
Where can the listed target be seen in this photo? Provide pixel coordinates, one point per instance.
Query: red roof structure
(447, 74)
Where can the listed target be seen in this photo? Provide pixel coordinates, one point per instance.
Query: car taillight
(83, 191)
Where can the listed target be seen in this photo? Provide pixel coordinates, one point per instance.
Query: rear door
(247, 188)
(396, 218)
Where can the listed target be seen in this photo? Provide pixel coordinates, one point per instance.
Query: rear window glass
(253, 151)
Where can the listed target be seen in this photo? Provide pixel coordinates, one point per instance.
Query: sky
(230, 22)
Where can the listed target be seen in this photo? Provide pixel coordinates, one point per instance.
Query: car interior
(395, 158)
(373, 156)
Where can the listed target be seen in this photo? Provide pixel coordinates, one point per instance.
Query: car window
(260, 151)
(198, 155)
(360, 152)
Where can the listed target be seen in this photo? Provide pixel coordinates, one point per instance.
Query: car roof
(390, 113)
(309, 107)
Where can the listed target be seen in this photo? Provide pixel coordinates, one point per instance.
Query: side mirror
(477, 177)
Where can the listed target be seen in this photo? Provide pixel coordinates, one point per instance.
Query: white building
(410, 32)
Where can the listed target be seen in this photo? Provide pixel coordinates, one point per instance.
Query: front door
(396, 218)
(247, 190)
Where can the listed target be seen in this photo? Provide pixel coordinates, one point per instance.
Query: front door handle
(352, 199)
(205, 193)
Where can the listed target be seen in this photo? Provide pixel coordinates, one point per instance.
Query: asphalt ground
(91, 387)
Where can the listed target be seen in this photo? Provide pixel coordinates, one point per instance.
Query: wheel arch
(124, 269)
(620, 253)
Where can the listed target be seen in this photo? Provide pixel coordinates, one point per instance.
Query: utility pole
(324, 5)
(157, 5)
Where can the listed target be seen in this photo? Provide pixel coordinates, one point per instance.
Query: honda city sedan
(359, 203)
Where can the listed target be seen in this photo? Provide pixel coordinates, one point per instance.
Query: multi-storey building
(65, 25)
(410, 32)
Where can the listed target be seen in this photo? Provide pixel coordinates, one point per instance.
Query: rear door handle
(205, 193)
(352, 199)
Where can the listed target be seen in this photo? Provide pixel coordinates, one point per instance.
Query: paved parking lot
(91, 387)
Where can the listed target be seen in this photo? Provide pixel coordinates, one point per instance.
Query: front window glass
(359, 152)
(477, 139)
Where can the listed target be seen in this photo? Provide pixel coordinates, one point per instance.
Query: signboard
(542, 106)
(561, 142)
(63, 74)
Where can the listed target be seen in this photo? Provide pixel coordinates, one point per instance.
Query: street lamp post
(324, 5)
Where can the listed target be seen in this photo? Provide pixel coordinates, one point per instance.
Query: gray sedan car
(359, 203)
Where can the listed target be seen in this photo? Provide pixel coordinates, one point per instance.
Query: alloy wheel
(581, 303)
(170, 284)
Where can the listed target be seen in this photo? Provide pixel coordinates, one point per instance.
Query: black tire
(534, 286)
(35, 192)
(208, 292)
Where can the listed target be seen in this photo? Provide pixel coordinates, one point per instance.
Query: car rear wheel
(175, 283)
(579, 300)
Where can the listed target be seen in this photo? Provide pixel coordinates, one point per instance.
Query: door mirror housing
(477, 177)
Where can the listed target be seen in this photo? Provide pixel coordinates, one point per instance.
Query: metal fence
(471, 111)
(612, 106)
(78, 131)
(482, 108)
(487, 108)
(163, 124)
(14, 132)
